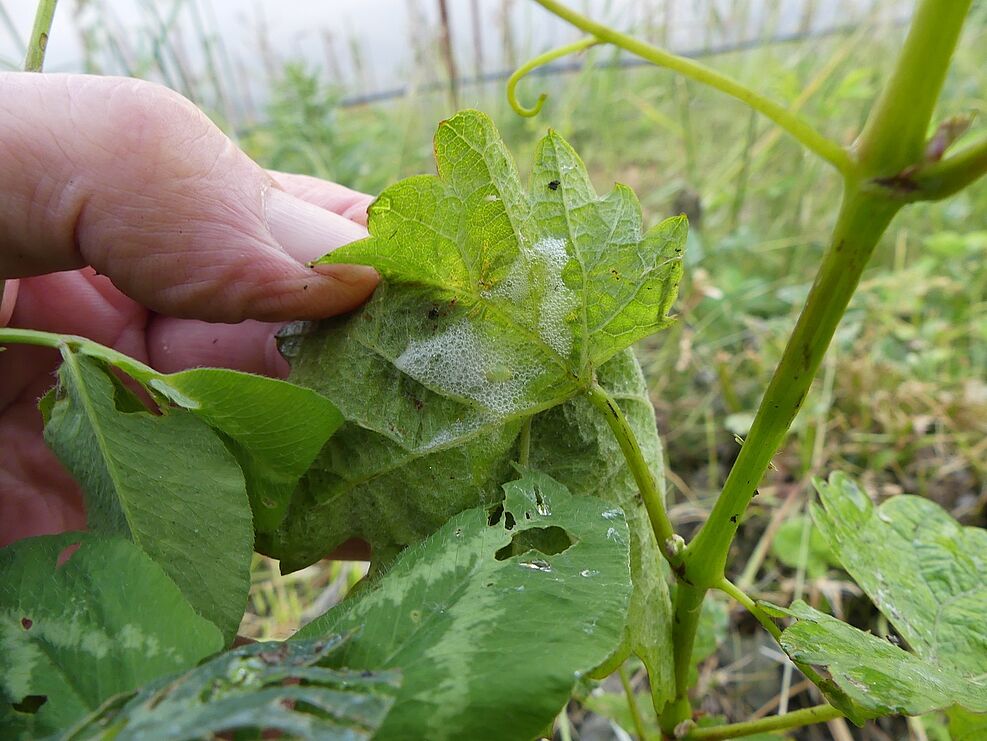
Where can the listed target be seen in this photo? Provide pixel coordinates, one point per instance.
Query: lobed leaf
(74, 634)
(498, 303)
(261, 688)
(923, 570)
(493, 618)
(877, 677)
(167, 483)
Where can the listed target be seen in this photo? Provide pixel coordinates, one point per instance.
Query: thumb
(133, 179)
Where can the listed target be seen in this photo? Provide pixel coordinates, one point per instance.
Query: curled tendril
(539, 61)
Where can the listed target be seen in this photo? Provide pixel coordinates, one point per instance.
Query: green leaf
(275, 429)
(350, 492)
(878, 677)
(924, 571)
(500, 301)
(787, 546)
(106, 621)
(166, 482)
(280, 687)
(489, 640)
(573, 444)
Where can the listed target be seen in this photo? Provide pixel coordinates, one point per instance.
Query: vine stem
(66, 344)
(643, 476)
(795, 719)
(863, 218)
(35, 58)
(795, 125)
(539, 61)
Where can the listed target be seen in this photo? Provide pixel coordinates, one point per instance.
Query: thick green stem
(645, 480)
(540, 60)
(895, 133)
(862, 220)
(35, 59)
(790, 122)
(796, 719)
(687, 609)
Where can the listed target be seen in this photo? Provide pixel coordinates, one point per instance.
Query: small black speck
(215, 340)
(756, 493)
(305, 287)
(734, 519)
(554, 185)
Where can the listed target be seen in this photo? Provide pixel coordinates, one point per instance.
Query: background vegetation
(902, 401)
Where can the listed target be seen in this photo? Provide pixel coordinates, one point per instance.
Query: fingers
(132, 179)
(175, 344)
(333, 197)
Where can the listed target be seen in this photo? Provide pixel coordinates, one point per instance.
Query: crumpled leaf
(487, 638)
(923, 570)
(877, 677)
(71, 636)
(272, 686)
(166, 482)
(496, 304)
(499, 301)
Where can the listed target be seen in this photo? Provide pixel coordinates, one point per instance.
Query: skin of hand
(127, 217)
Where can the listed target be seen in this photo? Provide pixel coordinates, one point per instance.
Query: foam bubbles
(462, 362)
(534, 282)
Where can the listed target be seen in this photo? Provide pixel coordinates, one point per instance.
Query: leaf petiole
(643, 476)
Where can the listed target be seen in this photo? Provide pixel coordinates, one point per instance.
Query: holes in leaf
(26, 623)
(30, 704)
(548, 540)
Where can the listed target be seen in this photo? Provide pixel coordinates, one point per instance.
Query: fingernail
(9, 291)
(305, 231)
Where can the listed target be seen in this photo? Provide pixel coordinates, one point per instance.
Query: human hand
(130, 219)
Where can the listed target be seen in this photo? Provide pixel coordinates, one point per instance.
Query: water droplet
(538, 565)
(543, 508)
(612, 514)
(588, 572)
